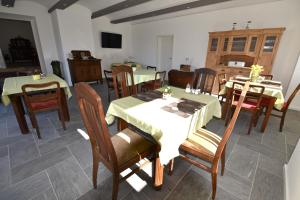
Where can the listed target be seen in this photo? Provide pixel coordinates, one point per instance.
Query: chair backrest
(254, 94)
(151, 67)
(185, 68)
(123, 81)
(180, 79)
(267, 76)
(229, 129)
(222, 79)
(39, 93)
(205, 79)
(160, 78)
(290, 99)
(92, 113)
(108, 78)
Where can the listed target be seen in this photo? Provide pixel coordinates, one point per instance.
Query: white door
(165, 52)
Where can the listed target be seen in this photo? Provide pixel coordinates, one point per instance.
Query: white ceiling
(95, 5)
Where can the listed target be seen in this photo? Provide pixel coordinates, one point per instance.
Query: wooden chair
(118, 152)
(45, 101)
(285, 107)
(151, 67)
(158, 82)
(123, 81)
(109, 82)
(222, 79)
(180, 79)
(205, 79)
(209, 147)
(185, 68)
(267, 76)
(251, 104)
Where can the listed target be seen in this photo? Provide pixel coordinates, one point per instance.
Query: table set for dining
(272, 95)
(12, 93)
(168, 128)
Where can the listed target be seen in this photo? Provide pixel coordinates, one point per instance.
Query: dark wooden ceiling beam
(186, 6)
(62, 4)
(117, 7)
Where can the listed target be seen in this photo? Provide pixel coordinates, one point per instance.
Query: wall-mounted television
(111, 40)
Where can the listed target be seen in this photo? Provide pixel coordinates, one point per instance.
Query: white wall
(42, 20)
(295, 81)
(12, 29)
(292, 175)
(191, 34)
(109, 56)
(73, 31)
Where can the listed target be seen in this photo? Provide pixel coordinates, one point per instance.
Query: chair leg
(256, 118)
(251, 123)
(108, 95)
(170, 167)
(282, 121)
(116, 181)
(228, 114)
(214, 185)
(95, 172)
(32, 120)
(62, 119)
(223, 158)
(35, 124)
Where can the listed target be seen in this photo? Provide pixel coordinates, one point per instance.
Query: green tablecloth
(169, 129)
(143, 75)
(13, 85)
(273, 91)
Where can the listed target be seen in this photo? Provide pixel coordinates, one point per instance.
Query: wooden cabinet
(85, 70)
(250, 46)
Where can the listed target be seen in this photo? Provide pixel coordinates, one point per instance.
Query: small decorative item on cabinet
(255, 72)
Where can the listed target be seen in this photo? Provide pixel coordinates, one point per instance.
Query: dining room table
(12, 94)
(273, 95)
(167, 119)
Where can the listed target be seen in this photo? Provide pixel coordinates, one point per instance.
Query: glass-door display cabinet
(236, 50)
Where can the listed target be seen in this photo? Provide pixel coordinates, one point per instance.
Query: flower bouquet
(167, 92)
(255, 72)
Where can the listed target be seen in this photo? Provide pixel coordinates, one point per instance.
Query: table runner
(168, 129)
(13, 85)
(149, 95)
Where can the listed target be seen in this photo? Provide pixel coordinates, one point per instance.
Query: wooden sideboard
(85, 70)
(251, 46)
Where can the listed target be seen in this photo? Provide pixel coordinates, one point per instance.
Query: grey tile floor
(59, 165)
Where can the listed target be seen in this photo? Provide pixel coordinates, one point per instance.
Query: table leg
(19, 113)
(226, 105)
(159, 174)
(122, 124)
(65, 105)
(268, 113)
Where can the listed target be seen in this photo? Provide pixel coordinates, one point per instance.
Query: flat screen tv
(111, 40)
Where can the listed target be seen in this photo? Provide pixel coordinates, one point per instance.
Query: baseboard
(285, 183)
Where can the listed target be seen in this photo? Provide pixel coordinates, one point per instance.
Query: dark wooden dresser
(84, 68)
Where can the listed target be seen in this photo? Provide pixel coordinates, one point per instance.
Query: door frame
(35, 32)
(158, 48)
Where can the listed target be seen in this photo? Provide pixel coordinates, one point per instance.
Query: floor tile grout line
(51, 184)
(90, 181)
(179, 180)
(37, 146)
(251, 190)
(9, 166)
